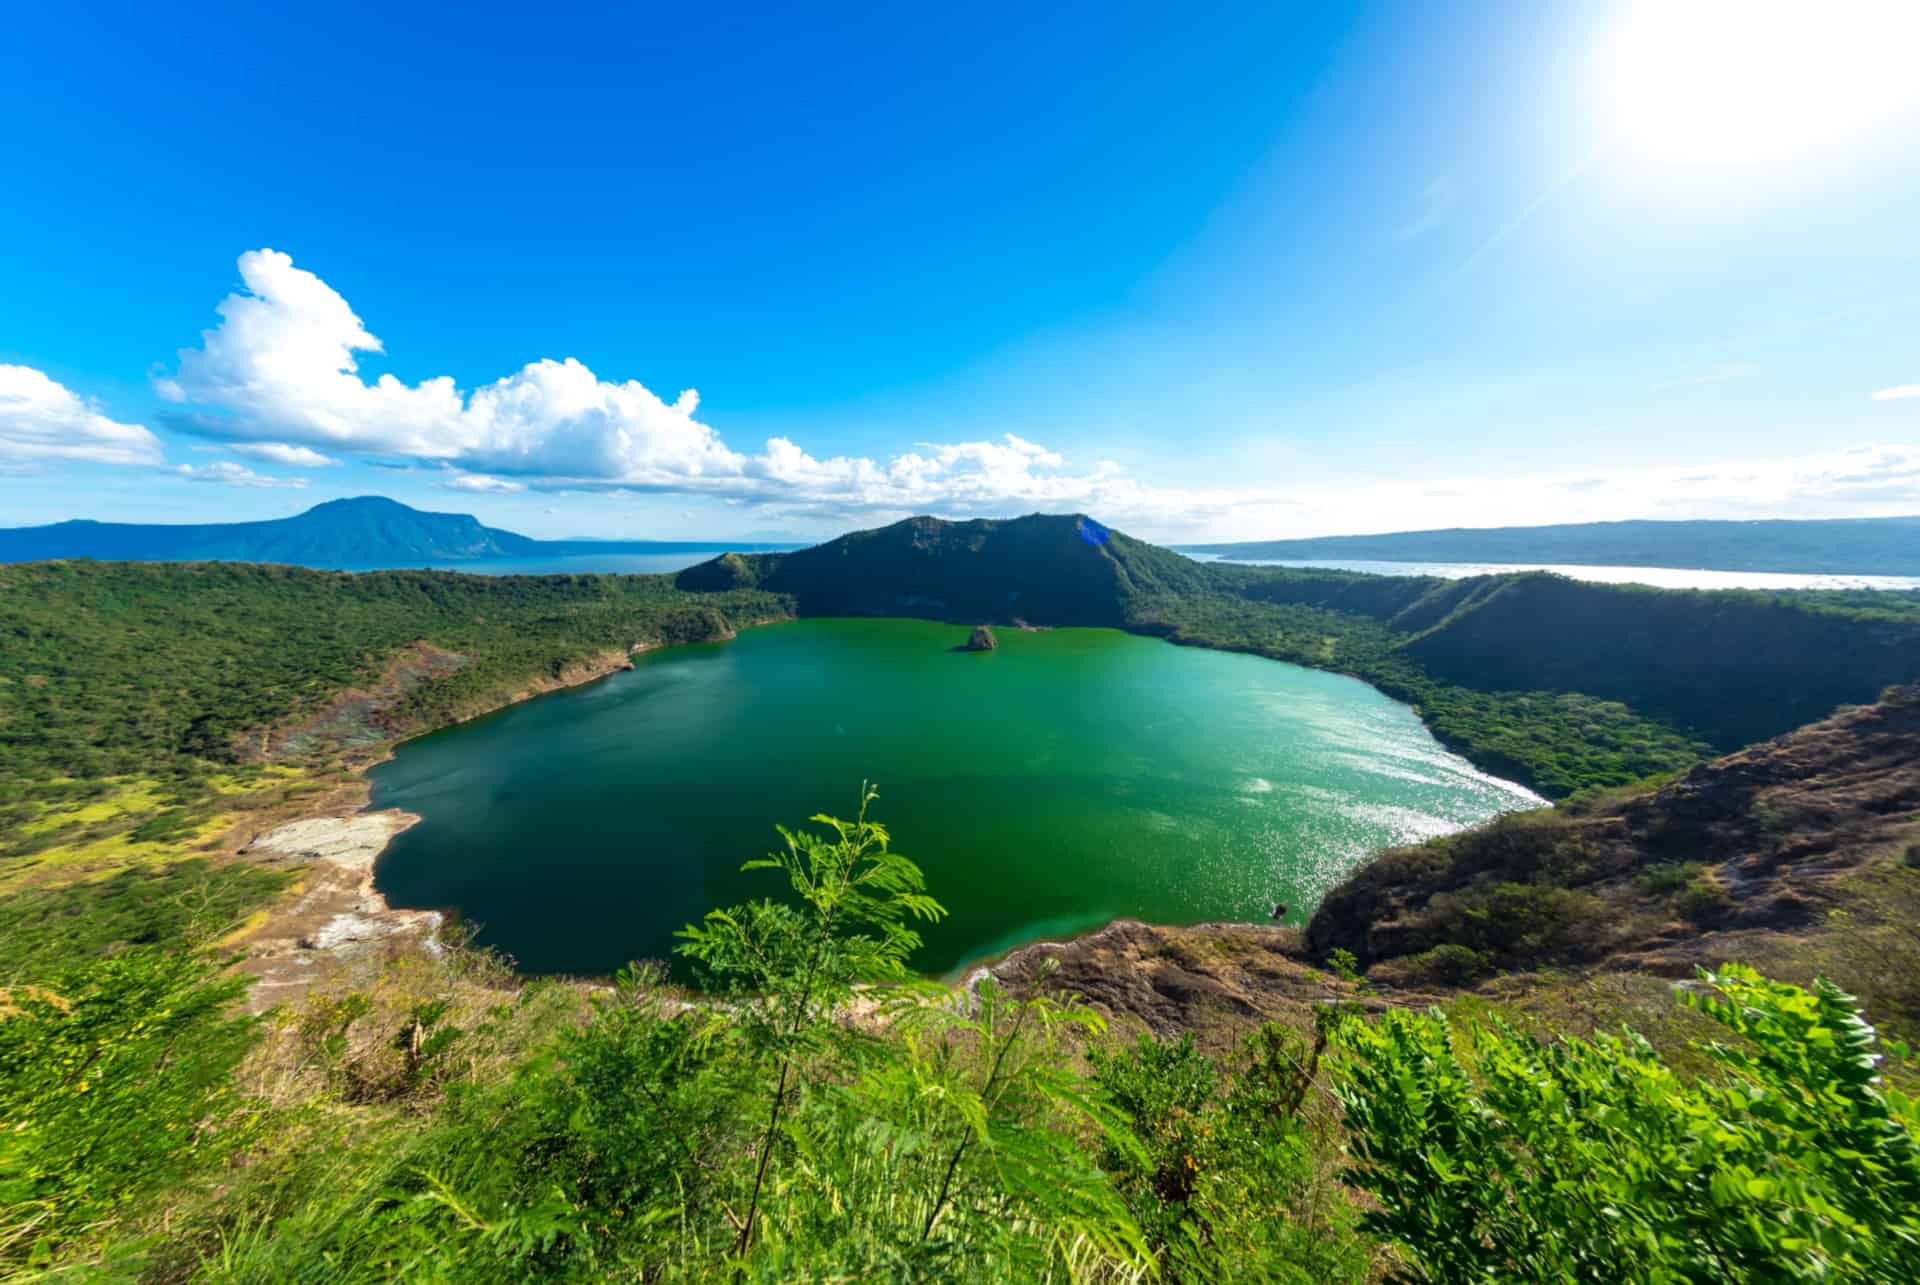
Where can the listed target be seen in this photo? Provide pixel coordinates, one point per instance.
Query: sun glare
(1757, 87)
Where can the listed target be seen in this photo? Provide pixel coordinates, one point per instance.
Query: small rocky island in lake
(981, 639)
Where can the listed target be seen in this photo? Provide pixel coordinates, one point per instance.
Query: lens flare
(1752, 87)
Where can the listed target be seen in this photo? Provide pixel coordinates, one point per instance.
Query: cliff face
(1774, 839)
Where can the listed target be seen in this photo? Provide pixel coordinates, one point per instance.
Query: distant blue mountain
(1832, 546)
(367, 531)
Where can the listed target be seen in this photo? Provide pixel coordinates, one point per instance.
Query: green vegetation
(44, 931)
(164, 668)
(822, 1116)
(140, 701)
(1494, 1157)
(177, 672)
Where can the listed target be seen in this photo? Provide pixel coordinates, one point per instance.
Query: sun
(1744, 87)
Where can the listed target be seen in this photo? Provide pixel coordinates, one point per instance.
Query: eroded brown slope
(1800, 855)
(1791, 849)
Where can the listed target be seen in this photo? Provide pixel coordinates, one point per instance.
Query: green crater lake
(1071, 777)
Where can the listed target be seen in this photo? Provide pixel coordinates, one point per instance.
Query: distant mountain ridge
(1814, 546)
(367, 530)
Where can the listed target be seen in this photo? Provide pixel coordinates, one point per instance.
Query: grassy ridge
(833, 1121)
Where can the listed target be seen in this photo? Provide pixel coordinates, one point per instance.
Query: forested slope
(111, 668)
(114, 668)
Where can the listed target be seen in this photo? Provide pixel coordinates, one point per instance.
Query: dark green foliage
(1667, 877)
(1515, 924)
(44, 931)
(1501, 890)
(1165, 1088)
(1221, 1165)
(1497, 1158)
(1729, 667)
(160, 668)
(115, 1082)
(801, 1124)
(1450, 964)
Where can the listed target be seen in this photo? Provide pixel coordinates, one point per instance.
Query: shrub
(1221, 1165)
(1494, 1157)
(1449, 965)
(1667, 877)
(1516, 923)
(115, 1081)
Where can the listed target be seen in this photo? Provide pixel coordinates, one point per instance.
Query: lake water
(1070, 777)
(1659, 577)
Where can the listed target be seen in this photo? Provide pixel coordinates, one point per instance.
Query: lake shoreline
(584, 834)
(406, 923)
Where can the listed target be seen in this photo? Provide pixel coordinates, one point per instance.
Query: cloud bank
(43, 421)
(279, 377)
(278, 381)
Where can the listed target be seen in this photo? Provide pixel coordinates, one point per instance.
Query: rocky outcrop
(1765, 841)
(334, 915)
(981, 639)
(1212, 979)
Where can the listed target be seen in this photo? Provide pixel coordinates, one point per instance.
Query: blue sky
(1206, 271)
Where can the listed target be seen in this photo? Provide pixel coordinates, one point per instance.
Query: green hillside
(115, 668)
(432, 1116)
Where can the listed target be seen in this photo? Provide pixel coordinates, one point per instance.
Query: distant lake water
(1659, 577)
(1071, 777)
(576, 564)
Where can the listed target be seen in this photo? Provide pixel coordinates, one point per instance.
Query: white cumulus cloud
(282, 367)
(480, 483)
(1897, 393)
(282, 371)
(41, 420)
(282, 453)
(227, 473)
(279, 378)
